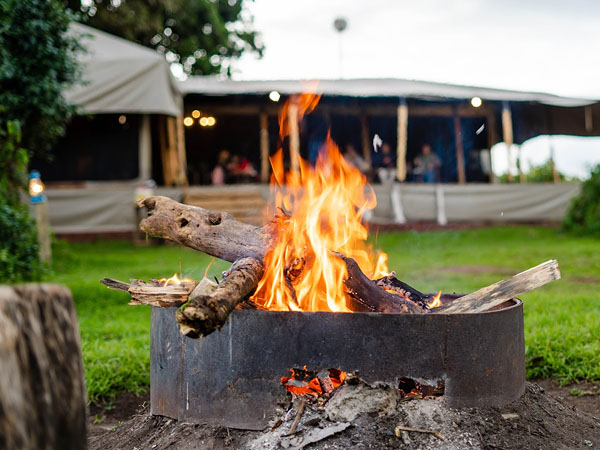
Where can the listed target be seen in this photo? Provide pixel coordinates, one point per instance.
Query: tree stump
(42, 386)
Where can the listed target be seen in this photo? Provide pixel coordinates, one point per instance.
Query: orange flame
(174, 280)
(436, 301)
(326, 204)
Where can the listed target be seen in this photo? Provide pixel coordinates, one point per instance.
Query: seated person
(218, 175)
(427, 165)
(385, 164)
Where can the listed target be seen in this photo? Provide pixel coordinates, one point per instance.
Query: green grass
(562, 319)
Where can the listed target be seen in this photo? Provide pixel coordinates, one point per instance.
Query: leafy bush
(19, 259)
(584, 213)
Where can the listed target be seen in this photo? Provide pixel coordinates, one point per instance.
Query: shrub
(19, 258)
(583, 216)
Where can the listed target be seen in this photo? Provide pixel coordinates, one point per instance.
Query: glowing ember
(307, 382)
(326, 204)
(174, 280)
(436, 301)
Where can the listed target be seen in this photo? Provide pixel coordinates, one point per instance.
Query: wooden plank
(497, 293)
(460, 154)
(402, 140)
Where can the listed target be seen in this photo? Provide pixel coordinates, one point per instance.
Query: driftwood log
(42, 386)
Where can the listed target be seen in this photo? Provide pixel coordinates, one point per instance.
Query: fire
(307, 382)
(436, 301)
(174, 280)
(324, 206)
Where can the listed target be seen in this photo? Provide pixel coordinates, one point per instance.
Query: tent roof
(386, 87)
(120, 76)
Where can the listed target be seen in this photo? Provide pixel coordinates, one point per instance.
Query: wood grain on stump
(42, 386)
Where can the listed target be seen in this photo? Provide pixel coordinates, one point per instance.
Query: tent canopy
(120, 76)
(385, 87)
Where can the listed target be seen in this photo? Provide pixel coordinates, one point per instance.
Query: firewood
(390, 282)
(497, 293)
(210, 304)
(153, 293)
(42, 383)
(366, 295)
(214, 233)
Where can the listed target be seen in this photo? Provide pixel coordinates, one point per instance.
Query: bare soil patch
(364, 417)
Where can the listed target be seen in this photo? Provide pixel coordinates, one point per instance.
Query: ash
(360, 416)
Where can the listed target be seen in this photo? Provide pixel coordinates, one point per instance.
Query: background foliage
(37, 60)
(202, 35)
(583, 216)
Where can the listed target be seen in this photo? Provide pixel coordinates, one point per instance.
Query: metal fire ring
(232, 377)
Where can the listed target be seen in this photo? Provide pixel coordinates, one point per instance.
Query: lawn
(562, 320)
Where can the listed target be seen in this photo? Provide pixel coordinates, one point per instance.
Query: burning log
(497, 293)
(368, 295)
(210, 303)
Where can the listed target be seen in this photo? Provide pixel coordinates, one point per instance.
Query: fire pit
(232, 377)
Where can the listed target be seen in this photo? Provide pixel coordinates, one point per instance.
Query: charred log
(366, 295)
(210, 303)
(391, 283)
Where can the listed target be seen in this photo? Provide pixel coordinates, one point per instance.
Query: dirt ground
(362, 417)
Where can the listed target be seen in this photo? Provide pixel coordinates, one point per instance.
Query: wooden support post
(42, 385)
(172, 150)
(182, 179)
(402, 140)
(366, 145)
(264, 147)
(589, 123)
(460, 155)
(294, 137)
(491, 129)
(555, 175)
(145, 149)
(507, 135)
(43, 230)
(164, 152)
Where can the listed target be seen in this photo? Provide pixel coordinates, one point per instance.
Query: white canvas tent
(120, 76)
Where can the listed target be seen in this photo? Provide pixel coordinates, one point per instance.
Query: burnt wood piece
(42, 385)
(390, 282)
(210, 303)
(366, 295)
(497, 293)
(153, 293)
(214, 233)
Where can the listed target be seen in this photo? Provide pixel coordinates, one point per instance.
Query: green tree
(202, 35)
(583, 216)
(37, 62)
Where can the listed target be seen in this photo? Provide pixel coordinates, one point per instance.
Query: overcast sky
(550, 46)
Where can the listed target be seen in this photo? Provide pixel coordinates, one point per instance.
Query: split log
(42, 386)
(497, 293)
(391, 283)
(366, 295)
(210, 304)
(214, 233)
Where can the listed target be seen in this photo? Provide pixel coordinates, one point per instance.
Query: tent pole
(181, 153)
(402, 140)
(145, 149)
(460, 156)
(491, 124)
(294, 137)
(366, 146)
(164, 151)
(264, 147)
(507, 135)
